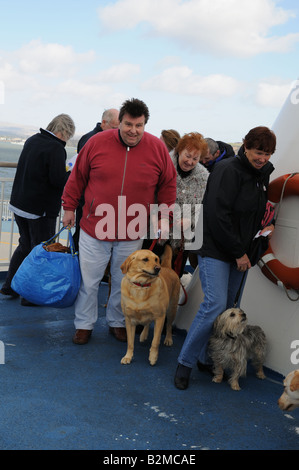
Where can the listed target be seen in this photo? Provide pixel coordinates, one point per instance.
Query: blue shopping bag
(49, 278)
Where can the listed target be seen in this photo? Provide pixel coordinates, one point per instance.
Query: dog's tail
(166, 258)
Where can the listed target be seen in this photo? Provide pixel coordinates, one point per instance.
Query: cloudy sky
(219, 67)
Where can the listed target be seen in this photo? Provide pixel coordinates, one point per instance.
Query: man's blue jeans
(220, 283)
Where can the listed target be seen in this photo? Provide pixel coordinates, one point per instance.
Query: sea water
(10, 152)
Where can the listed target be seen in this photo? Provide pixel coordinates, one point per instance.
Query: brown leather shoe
(119, 333)
(82, 336)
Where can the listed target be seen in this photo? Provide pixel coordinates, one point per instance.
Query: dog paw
(153, 357)
(126, 360)
(144, 334)
(152, 363)
(260, 375)
(235, 386)
(217, 379)
(168, 341)
(143, 337)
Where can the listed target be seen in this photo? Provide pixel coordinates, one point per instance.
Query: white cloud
(235, 27)
(182, 80)
(169, 61)
(79, 88)
(36, 63)
(2, 92)
(47, 70)
(14, 79)
(119, 73)
(50, 59)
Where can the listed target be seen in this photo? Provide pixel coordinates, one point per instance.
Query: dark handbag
(257, 248)
(260, 244)
(49, 278)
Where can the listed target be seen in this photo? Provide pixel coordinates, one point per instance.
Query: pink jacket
(113, 178)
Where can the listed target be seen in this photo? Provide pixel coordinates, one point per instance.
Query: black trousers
(32, 232)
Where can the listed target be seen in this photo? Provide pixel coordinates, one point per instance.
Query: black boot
(181, 379)
(8, 291)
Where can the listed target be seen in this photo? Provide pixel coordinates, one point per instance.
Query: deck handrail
(8, 231)
(8, 228)
(8, 164)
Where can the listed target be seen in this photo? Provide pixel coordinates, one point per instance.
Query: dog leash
(153, 244)
(186, 295)
(239, 290)
(184, 290)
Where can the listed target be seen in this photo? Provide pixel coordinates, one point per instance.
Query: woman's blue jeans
(220, 282)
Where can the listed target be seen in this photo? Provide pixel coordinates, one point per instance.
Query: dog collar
(141, 285)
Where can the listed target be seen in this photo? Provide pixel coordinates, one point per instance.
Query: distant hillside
(236, 146)
(15, 131)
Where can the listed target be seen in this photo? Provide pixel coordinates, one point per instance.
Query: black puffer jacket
(234, 205)
(41, 175)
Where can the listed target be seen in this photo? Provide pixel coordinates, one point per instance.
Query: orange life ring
(273, 269)
(291, 187)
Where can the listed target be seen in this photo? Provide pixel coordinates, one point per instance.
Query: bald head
(110, 119)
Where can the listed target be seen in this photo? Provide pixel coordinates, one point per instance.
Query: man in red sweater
(122, 172)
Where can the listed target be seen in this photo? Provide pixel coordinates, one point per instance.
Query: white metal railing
(8, 228)
(6, 214)
(8, 232)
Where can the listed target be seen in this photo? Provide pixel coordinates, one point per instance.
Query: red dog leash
(184, 290)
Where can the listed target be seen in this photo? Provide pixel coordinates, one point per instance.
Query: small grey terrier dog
(232, 343)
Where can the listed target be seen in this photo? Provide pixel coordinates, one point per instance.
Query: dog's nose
(157, 269)
(243, 315)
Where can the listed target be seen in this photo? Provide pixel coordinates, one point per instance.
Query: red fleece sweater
(113, 177)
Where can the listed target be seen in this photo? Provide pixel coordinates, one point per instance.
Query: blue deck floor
(57, 395)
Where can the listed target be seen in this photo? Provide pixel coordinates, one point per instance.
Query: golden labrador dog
(149, 292)
(289, 400)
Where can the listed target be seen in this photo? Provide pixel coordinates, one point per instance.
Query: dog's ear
(124, 266)
(295, 383)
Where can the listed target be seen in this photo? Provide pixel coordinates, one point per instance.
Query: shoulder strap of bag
(72, 245)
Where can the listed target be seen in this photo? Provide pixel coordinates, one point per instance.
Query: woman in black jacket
(37, 189)
(233, 209)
